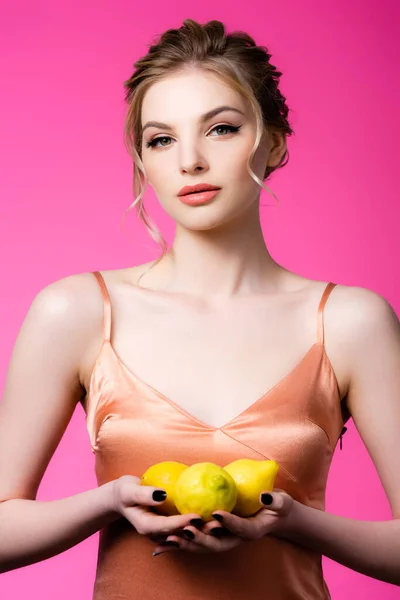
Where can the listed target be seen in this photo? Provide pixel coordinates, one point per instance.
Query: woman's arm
(31, 531)
(372, 548)
(41, 392)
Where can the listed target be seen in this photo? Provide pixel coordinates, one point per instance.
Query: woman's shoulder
(80, 289)
(358, 305)
(79, 296)
(357, 320)
(351, 310)
(365, 314)
(76, 302)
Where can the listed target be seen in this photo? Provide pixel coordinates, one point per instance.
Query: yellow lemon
(251, 478)
(203, 488)
(164, 475)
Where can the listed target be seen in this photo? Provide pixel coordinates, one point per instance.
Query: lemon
(251, 478)
(164, 475)
(203, 488)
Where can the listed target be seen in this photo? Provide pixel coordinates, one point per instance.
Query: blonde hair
(236, 59)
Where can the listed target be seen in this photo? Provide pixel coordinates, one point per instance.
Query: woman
(238, 357)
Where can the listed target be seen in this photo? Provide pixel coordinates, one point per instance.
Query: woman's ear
(278, 148)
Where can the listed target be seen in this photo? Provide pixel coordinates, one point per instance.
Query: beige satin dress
(132, 426)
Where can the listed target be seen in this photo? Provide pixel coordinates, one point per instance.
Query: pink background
(66, 180)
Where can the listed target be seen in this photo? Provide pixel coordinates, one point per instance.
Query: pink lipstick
(200, 193)
(197, 199)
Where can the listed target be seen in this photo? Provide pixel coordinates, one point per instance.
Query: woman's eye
(230, 128)
(153, 142)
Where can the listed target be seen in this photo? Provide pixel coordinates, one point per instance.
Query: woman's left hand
(231, 531)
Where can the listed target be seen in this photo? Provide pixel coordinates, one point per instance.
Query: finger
(171, 524)
(165, 547)
(147, 495)
(248, 528)
(203, 546)
(205, 540)
(174, 543)
(277, 505)
(216, 529)
(131, 492)
(158, 539)
(149, 523)
(278, 501)
(245, 528)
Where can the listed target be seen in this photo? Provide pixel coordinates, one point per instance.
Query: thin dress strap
(107, 306)
(325, 296)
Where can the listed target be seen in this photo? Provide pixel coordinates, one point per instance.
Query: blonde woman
(213, 352)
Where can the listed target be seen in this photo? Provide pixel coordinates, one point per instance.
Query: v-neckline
(193, 418)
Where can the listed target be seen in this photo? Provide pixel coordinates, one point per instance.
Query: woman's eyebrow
(208, 115)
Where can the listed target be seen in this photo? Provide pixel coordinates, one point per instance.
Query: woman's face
(186, 149)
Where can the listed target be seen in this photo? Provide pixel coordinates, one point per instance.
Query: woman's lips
(197, 198)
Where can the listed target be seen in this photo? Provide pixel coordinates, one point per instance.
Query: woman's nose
(192, 162)
(192, 168)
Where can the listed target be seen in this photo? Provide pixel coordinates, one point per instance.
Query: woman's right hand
(132, 500)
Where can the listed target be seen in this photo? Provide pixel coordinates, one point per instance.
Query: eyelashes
(152, 143)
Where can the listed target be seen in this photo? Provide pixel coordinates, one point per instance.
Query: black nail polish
(197, 523)
(159, 495)
(219, 532)
(218, 518)
(188, 534)
(267, 499)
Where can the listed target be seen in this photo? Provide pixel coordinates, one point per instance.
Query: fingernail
(188, 534)
(218, 518)
(267, 499)
(219, 531)
(159, 495)
(197, 523)
(167, 543)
